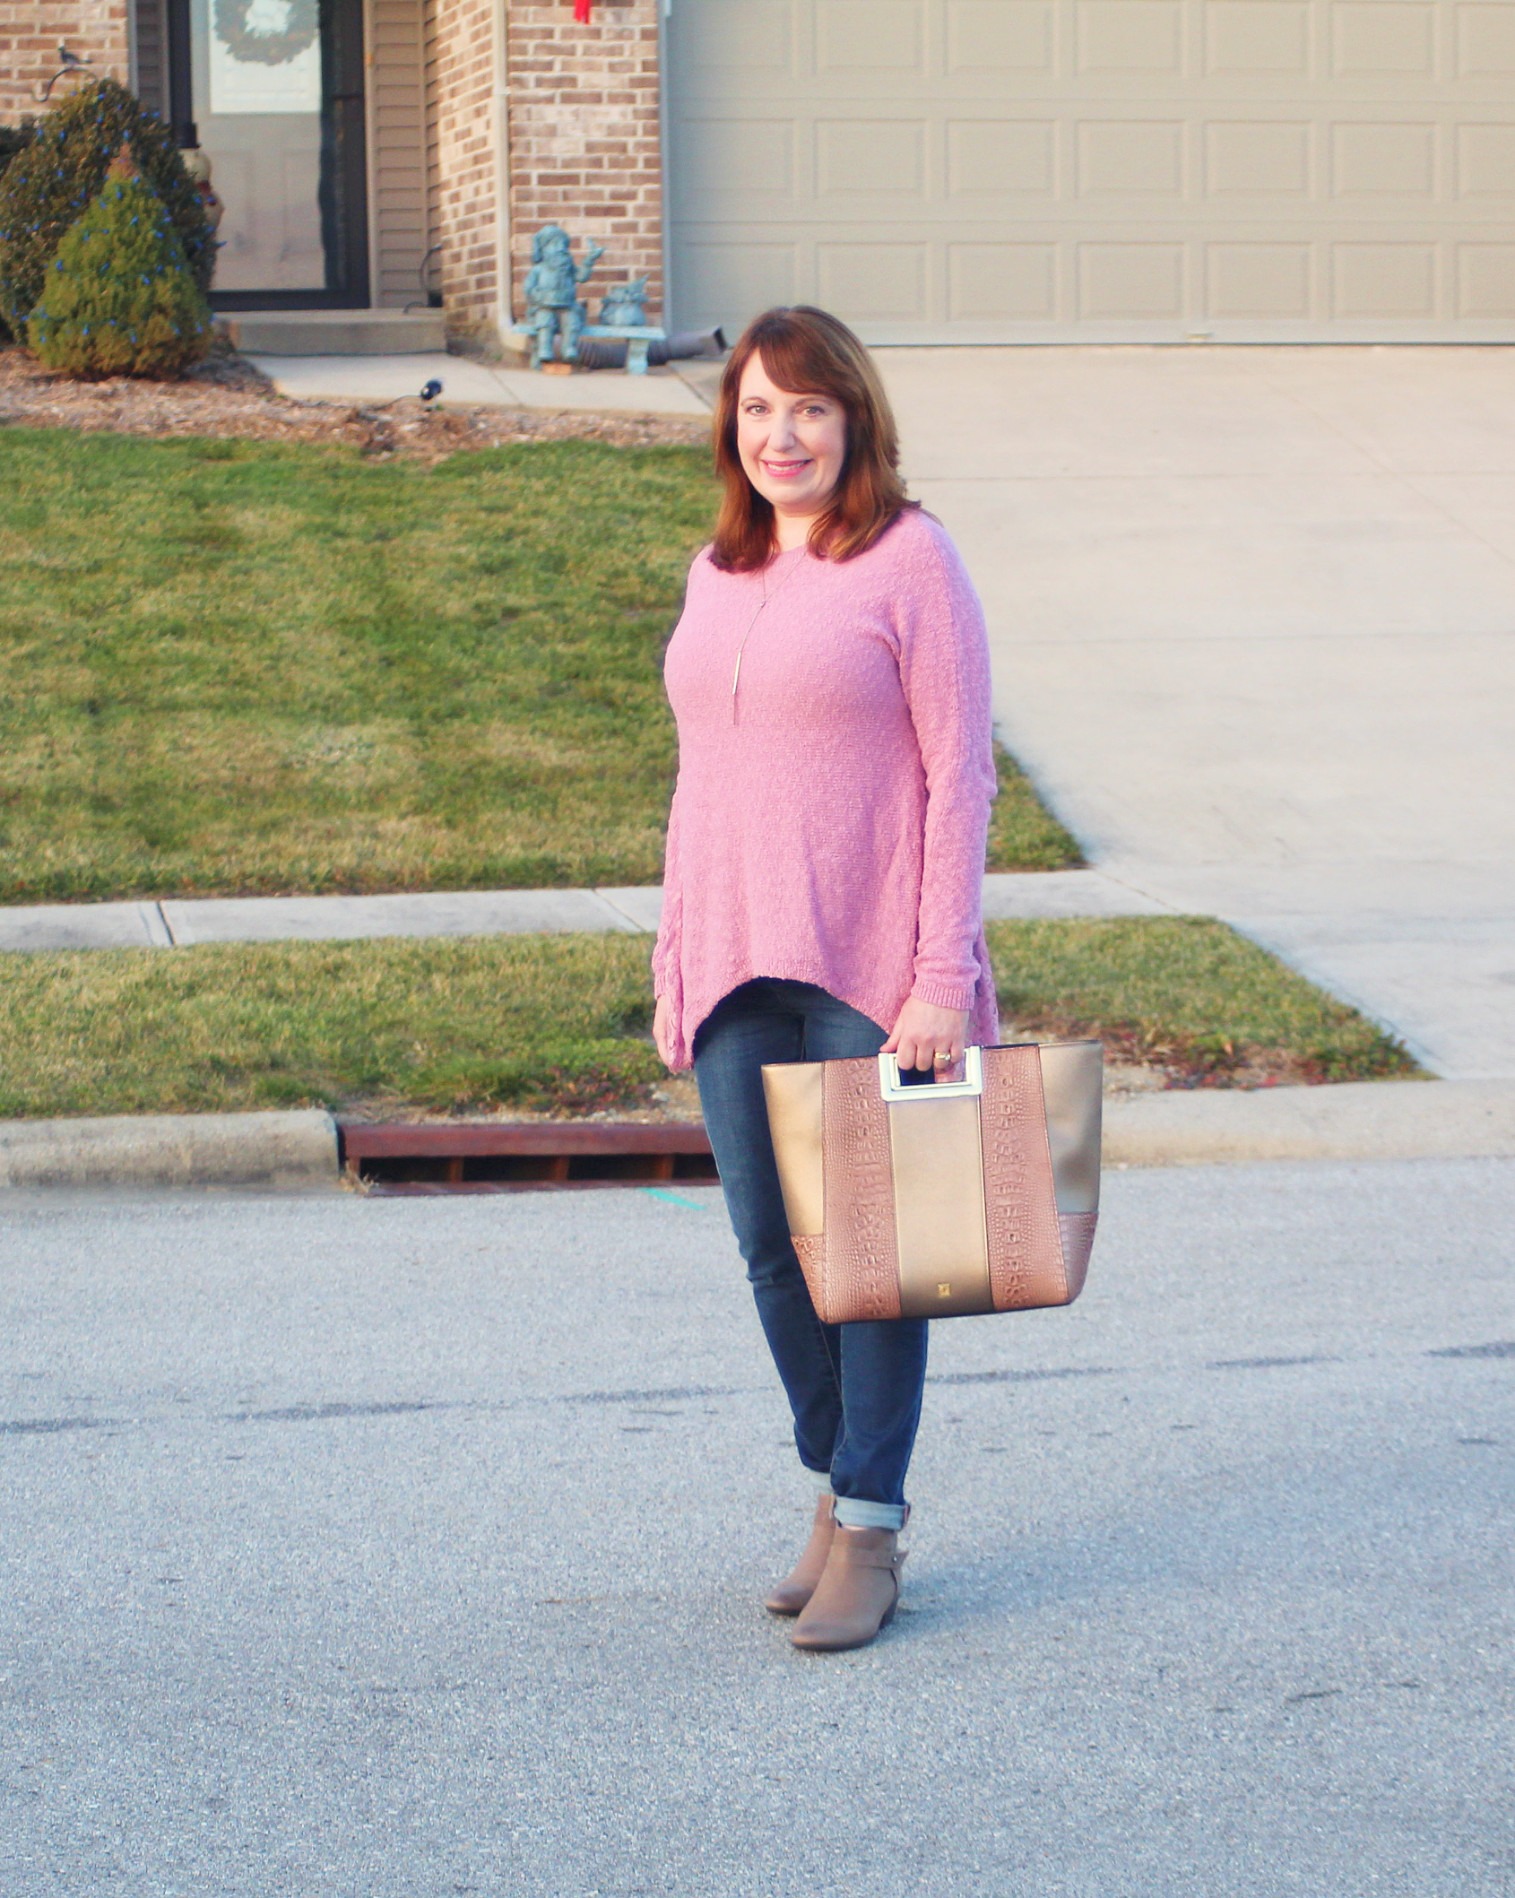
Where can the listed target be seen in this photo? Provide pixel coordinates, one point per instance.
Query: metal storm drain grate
(505, 1157)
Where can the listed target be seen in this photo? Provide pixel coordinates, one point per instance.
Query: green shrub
(13, 138)
(58, 174)
(119, 299)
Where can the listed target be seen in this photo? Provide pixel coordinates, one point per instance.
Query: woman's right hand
(662, 1030)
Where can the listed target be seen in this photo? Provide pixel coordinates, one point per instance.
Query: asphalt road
(413, 1547)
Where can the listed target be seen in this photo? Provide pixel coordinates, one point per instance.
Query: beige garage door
(1100, 170)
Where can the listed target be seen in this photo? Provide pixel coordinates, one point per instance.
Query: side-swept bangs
(809, 352)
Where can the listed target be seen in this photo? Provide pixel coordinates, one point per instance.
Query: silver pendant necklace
(736, 675)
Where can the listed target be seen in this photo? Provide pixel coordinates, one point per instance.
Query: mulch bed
(1137, 1061)
(226, 395)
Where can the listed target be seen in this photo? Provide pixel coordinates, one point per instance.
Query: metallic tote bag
(942, 1200)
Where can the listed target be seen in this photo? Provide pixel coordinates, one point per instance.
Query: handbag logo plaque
(948, 1199)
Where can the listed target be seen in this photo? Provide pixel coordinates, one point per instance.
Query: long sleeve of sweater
(944, 670)
(666, 949)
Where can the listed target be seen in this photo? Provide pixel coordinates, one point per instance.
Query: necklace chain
(736, 675)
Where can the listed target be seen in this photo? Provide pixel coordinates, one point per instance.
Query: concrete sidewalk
(664, 391)
(1253, 623)
(175, 923)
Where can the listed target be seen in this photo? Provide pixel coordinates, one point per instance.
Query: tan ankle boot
(789, 1596)
(857, 1594)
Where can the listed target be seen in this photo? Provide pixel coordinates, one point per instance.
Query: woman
(830, 681)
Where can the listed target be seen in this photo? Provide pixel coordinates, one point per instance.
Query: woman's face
(791, 445)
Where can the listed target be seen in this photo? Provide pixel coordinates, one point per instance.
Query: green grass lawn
(1187, 995)
(561, 1022)
(1023, 833)
(230, 667)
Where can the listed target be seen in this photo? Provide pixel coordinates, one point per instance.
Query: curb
(279, 1150)
(1359, 1120)
(1352, 1120)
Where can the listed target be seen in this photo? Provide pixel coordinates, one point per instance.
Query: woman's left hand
(924, 1032)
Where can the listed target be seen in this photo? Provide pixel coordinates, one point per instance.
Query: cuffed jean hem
(855, 1512)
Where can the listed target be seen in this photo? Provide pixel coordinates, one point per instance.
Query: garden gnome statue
(554, 314)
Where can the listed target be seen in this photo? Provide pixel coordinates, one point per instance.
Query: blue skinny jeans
(854, 1390)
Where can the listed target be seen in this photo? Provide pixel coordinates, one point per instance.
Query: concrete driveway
(1253, 618)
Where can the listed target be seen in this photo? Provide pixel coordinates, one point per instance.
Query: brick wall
(585, 150)
(30, 32)
(460, 87)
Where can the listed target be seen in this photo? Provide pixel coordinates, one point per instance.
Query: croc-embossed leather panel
(861, 1259)
(1025, 1241)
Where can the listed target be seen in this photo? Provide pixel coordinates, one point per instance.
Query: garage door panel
(752, 36)
(986, 280)
(731, 281)
(1384, 280)
(1485, 41)
(1004, 158)
(1263, 39)
(1129, 36)
(1378, 161)
(999, 36)
(880, 282)
(854, 36)
(1368, 41)
(1263, 282)
(1119, 158)
(1485, 165)
(1047, 169)
(866, 158)
(1140, 281)
(759, 166)
(1485, 280)
(1257, 158)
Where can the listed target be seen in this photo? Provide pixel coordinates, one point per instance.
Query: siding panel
(397, 68)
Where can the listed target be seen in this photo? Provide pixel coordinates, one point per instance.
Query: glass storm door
(276, 96)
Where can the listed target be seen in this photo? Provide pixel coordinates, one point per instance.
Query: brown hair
(809, 353)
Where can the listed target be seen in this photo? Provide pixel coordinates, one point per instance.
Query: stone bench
(636, 340)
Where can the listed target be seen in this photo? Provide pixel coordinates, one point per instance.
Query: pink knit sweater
(829, 820)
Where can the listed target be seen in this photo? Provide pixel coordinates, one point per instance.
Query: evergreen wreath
(266, 49)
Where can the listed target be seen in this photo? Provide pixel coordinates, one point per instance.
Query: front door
(275, 92)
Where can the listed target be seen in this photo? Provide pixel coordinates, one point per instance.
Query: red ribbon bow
(581, 10)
